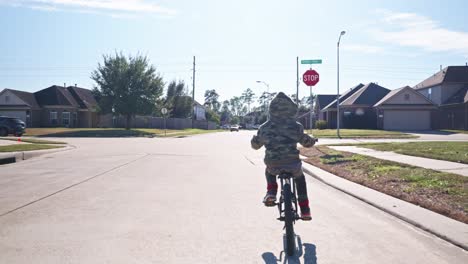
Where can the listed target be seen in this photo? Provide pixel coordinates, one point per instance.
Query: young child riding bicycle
(280, 135)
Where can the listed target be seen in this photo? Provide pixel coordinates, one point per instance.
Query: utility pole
(193, 93)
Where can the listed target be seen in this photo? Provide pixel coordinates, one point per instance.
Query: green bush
(212, 116)
(321, 124)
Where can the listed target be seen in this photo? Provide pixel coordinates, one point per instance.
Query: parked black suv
(11, 125)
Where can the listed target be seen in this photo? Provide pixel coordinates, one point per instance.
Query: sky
(236, 43)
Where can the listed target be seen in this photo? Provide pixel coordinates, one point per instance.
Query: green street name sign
(311, 61)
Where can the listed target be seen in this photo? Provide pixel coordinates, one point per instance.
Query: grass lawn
(455, 131)
(450, 151)
(34, 140)
(111, 132)
(26, 147)
(441, 192)
(359, 133)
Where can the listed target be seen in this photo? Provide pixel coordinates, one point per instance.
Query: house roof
(56, 95)
(397, 91)
(198, 104)
(26, 97)
(450, 74)
(390, 94)
(344, 96)
(325, 99)
(369, 94)
(83, 97)
(459, 97)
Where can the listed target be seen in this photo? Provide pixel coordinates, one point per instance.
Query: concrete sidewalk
(24, 155)
(446, 228)
(439, 165)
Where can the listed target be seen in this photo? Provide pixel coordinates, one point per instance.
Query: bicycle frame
(286, 178)
(287, 207)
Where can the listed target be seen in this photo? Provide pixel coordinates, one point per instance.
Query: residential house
(51, 107)
(357, 110)
(322, 100)
(329, 111)
(22, 105)
(404, 109)
(448, 89)
(200, 111)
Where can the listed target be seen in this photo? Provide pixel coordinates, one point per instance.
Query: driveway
(440, 136)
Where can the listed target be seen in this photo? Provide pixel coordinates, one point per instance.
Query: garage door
(18, 114)
(407, 120)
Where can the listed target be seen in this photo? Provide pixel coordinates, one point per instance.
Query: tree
(235, 120)
(211, 100)
(265, 99)
(177, 101)
(236, 106)
(127, 85)
(225, 112)
(248, 97)
(212, 116)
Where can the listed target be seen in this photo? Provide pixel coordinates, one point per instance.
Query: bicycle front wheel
(288, 220)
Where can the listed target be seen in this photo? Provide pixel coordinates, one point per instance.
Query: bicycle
(287, 207)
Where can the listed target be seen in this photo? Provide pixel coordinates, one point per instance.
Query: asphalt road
(185, 200)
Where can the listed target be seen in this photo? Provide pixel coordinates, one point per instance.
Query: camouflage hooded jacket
(281, 133)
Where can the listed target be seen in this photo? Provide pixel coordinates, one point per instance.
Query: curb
(415, 220)
(25, 155)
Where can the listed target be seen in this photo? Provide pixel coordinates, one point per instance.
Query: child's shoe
(305, 214)
(269, 200)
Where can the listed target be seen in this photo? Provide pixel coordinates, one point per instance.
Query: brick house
(357, 111)
(55, 106)
(322, 100)
(329, 111)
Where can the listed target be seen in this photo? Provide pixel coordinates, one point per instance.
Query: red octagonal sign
(310, 77)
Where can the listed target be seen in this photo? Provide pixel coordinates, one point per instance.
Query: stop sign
(310, 77)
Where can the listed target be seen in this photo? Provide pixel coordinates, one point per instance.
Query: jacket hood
(282, 108)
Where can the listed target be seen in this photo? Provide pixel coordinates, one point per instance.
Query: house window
(53, 118)
(406, 97)
(7, 99)
(429, 93)
(66, 119)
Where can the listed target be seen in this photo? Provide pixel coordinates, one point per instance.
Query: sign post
(164, 112)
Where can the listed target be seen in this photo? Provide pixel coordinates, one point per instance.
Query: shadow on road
(307, 251)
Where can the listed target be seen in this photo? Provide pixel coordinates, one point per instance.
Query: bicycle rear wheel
(288, 220)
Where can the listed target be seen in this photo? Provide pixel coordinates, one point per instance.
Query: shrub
(321, 124)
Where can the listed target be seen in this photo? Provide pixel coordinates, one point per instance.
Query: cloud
(110, 7)
(414, 30)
